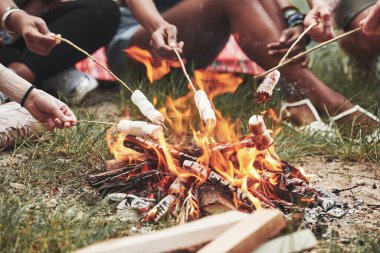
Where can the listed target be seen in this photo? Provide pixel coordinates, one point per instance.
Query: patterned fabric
(232, 59)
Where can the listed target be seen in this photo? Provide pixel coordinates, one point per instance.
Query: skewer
(97, 122)
(96, 61)
(184, 70)
(202, 102)
(296, 42)
(142, 100)
(308, 51)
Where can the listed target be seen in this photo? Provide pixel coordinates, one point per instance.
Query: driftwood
(248, 234)
(180, 237)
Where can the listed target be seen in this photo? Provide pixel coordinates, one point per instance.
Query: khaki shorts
(348, 10)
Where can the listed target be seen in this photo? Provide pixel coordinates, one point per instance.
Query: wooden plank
(190, 234)
(248, 234)
(294, 242)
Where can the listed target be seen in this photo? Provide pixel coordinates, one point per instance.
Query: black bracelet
(26, 95)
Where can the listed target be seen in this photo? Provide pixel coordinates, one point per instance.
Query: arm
(371, 24)
(33, 29)
(163, 34)
(41, 105)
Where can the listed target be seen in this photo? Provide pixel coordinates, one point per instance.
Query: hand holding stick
(292, 59)
(138, 98)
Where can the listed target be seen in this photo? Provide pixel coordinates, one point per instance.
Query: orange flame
(156, 68)
(249, 169)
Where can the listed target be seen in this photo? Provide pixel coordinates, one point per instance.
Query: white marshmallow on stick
(257, 125)
(139, 128)
(205, 109)
(147, 108)
(265, 90)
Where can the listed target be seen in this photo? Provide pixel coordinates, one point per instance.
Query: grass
(54, 210)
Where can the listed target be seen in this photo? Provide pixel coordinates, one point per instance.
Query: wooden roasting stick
(202, 102)
(180, 237)
(292, 59)
(248, 234)
(138, 98)
(265, 90)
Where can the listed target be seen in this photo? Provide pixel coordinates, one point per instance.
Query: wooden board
(187, 235)
(294, 242)
(248, 234)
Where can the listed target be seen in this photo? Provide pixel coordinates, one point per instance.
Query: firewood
(213, 200)
(190, 209)
(136, 182)
(151, 148)
(184, 236)
(162, 208)
(122, 169)
(295, 242)
(248, 234)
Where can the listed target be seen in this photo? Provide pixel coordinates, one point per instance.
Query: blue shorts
(122, 40)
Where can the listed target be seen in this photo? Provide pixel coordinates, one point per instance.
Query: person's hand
(35, 32)
(371, 24)
(288, 37)
(321, 14)
(47, 109)
(164, 39)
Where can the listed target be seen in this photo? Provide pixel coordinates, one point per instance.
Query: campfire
(197, 170)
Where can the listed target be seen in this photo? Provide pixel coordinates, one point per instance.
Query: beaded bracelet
(293, 16)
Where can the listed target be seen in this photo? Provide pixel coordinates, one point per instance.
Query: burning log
(150, 148)
(178, 187)
(190, 208)
(162, 208)
(265, 90)
(249, 234)
(213, 200)
(134, 183)
(121, 170)
(196, 169)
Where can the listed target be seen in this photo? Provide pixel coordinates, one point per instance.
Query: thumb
(56, 111)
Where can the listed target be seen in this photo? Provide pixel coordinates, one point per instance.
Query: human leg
(90, 24)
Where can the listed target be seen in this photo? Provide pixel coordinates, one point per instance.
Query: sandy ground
(363, 203)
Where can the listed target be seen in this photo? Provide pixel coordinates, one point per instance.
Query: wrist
(30, 93)
(293, 17)
(8, 18)
(157, 24)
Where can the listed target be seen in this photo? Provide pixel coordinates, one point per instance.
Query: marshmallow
(139, 128)
(147, 108)
(205, 109)
(257, 125)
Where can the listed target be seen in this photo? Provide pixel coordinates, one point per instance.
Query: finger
(180, 47)
(58, 123)
(284, 37)
(274, 45)
(51, 125)
(172, 35)
(305, 62)
(278, 52)
(326, 18)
